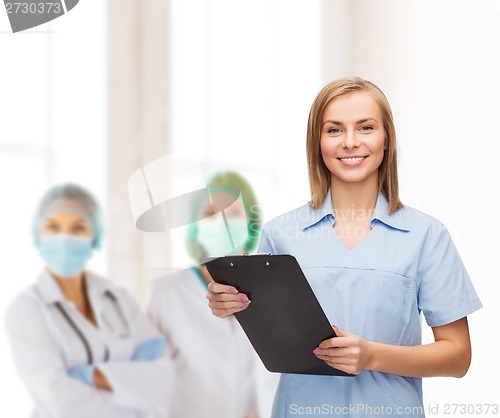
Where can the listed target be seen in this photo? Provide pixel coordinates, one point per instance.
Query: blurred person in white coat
(80, 344)
(215, 367)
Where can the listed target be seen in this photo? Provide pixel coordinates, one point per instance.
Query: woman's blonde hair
(319, 175)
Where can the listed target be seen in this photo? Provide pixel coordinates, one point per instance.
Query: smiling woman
(372, 263)
(349, 142)
(327, 119)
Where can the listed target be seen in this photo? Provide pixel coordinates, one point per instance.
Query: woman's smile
(353, 161)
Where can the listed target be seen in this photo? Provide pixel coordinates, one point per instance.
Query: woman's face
(220, 200)
(65, 223)
(218, 234)
(352, 138)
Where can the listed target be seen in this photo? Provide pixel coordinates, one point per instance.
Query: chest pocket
(376, 305)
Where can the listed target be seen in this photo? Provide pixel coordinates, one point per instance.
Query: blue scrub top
(406, 264)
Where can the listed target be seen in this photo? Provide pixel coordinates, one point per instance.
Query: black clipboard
(284, 321)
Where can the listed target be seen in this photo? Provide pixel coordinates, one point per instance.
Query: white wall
(241, 91)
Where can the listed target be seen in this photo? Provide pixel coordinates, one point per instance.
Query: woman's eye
(236, 213)
(79, 228)
(206, 213)
(51, 227)
(367, 128)
(334, 131)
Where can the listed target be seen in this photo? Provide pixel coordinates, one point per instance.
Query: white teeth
(351, 159)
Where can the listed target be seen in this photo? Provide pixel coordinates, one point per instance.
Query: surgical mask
(213, 235)
(66, 255)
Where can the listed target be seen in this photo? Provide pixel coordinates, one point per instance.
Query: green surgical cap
(235, 182)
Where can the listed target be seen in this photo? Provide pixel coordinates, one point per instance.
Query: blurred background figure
(215, 374)
(80, 344)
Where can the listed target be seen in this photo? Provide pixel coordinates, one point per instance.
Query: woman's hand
(346, 352)
(100, 380)
(449, 355)
(90, 375)
(226, 300)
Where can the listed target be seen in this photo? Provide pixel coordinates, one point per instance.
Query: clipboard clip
(247, 254)
(231, 264)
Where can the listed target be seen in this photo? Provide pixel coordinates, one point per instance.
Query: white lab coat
(45, 346)
(215, 373)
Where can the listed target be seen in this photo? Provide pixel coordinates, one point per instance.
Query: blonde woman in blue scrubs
(374, 265)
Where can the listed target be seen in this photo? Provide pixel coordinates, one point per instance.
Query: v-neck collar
(396, 220)
(50, 292)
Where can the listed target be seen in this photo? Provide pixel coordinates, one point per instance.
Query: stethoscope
(79, 333)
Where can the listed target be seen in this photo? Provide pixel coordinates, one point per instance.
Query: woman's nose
(350, 140)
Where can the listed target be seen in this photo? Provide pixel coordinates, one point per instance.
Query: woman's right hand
(226, 300)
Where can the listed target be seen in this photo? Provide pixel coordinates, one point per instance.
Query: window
(52, 110)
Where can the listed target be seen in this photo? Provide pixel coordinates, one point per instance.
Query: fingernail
(316, 351)
(321, 345)
(233, 290)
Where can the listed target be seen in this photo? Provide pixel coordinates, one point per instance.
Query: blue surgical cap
(69, 198)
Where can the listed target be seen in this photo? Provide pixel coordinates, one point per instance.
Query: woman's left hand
(346, 352)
